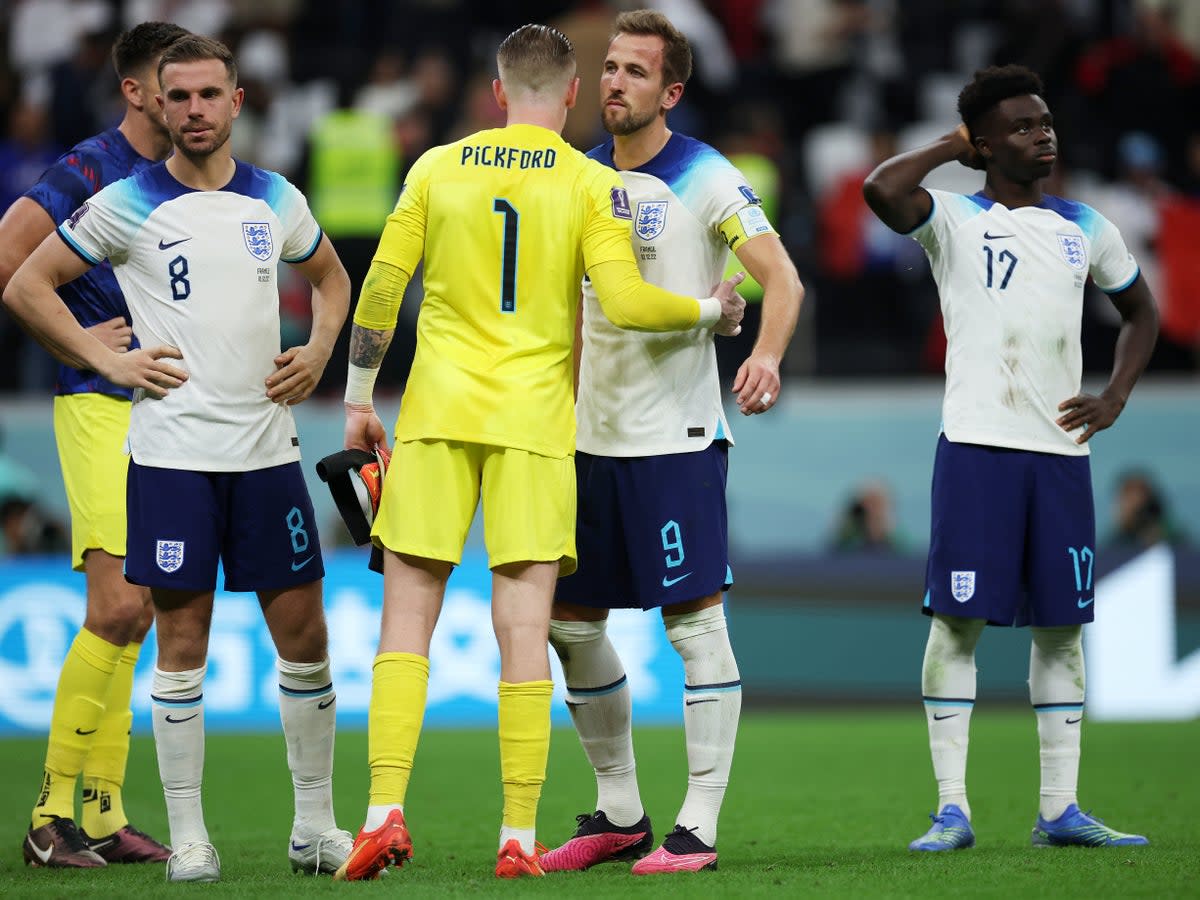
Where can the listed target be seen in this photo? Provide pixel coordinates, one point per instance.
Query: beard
(623, 120)
(192, 150)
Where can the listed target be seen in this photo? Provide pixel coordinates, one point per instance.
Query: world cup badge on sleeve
(620, 204)
(1071, 247)
(169, 555)
(962, 586)
(258, 239)
(651, 219)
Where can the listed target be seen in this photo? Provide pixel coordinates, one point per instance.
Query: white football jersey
(650, 394)
(199, 270)
(1011, 286)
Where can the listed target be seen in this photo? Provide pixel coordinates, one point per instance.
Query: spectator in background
(1140, 517)
(868, 523)
(27, 530)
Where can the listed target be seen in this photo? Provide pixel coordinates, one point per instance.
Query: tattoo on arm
(368, 346)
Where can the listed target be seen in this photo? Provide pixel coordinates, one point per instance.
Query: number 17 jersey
(1011, 285)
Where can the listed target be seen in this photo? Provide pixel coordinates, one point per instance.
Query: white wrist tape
(360, 385)
(710, 312)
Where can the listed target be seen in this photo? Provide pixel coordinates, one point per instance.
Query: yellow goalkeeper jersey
(507, 221)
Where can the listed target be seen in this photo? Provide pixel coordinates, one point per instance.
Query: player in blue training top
(652, 458)
(1013, 528)
(89, 725)
(196, 244)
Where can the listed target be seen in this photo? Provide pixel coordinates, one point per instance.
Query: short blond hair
(198, 48)
(536, 59)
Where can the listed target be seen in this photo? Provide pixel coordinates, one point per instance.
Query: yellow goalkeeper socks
(83, 687)
(524, 746)
(399, 684)
(104, 769)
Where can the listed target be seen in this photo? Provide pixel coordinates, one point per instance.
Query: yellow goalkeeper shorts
(432, 488)
(90, 431)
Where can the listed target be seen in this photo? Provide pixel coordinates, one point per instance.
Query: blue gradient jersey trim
(1122, 287)
(74, 245)
(959, 702)
(684, 165)
(307, 255)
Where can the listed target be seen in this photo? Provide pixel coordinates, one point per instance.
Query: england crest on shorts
(258, 239)
(962, 586)
(651, 219)
(169, 555)
(1071, 247)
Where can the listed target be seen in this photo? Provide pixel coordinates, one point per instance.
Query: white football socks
(598, 698)
(177, 713)
(948, 689)
(1056, 689)
(712, 695)
(307, 710)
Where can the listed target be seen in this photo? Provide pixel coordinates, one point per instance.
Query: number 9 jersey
(199, 270)
(1011, 284)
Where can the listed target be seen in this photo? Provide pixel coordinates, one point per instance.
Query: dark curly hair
(992, 85)
(141, 45)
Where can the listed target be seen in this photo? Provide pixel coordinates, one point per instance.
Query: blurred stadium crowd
(806, 95)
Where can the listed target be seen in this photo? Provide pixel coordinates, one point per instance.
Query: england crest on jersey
(258, 239)
(1071, 247)
(169, 555)
(962, 586)
(651, 219)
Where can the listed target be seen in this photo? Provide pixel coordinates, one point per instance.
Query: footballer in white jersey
(1011, 285)
(189, 263)
(646, 394)
(1013, 523)
(652, 459)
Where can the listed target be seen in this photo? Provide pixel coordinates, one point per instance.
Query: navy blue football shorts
(259, 524)
(1013, 536)
(651, 530)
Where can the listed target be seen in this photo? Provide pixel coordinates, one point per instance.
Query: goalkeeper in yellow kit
(507, 221)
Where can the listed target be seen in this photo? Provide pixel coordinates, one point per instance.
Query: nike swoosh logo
(686, 862)
(573, 703)
(179, 721)
(1084, 604)
(938, 718)
(705, 700)
(667, 582)
(163, 245)
(97, 846)
(1073, 721)
(83, 733)
(296, 567)
(296, 846)
(325, 704)
(988, 236)
(43, 855)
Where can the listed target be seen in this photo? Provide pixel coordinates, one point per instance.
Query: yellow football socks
(398, 688)
(83, 687)
(524, 746)
(104, 768)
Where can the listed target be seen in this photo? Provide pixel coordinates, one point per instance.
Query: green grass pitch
(821, 804)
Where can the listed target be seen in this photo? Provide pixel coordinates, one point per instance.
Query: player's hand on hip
(364, 430)
(733, 307)
(297, 371)
(145, 368)
(1090, 413)
(757, 383)
(115, 334)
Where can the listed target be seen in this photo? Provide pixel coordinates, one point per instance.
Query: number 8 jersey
(199, 270)
(1011, 285)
